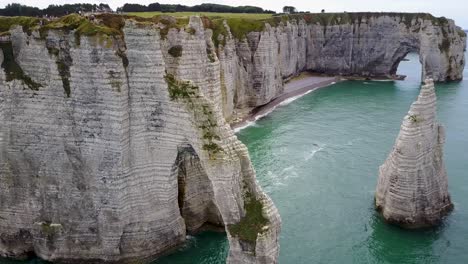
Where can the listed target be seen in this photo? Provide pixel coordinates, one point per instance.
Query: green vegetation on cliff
(461, 33)
(175, 51)
(202, 14)
(106, 24)
(103, 24)
(110, 25)
(63, 61)
(12, 70)
(188, 93)
(180, 89)
(241, 26)
(28, 23)
(252, 223)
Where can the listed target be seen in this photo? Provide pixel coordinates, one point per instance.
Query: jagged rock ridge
(412, 189)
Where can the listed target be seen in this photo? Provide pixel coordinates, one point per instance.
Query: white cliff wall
(365, 45)
(99, 172)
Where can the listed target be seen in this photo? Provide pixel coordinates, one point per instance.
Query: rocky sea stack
(412, 190)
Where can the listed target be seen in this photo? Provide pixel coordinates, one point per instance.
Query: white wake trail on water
(276, 179)
(269, 111)
(312, 153)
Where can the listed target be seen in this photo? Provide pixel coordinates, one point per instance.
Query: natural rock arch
(368, 45)
(401, 54)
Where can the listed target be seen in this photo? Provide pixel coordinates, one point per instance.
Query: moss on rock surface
(461, 33)
(102, 24)
(219, 30)
(28, 23)
(252, 223)
(13, 71)
(110, 25)
(175, 51)
(180, 89)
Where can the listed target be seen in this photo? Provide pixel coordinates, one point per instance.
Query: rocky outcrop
(412, 189)
(121, 149)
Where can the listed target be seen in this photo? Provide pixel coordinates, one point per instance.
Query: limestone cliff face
(113, 149)
(354, 44)
(412, 190)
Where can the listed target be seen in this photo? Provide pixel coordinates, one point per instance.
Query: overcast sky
(455, 9)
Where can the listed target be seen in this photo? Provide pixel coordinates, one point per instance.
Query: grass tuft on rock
(202, 110)
(252, 223)
(179, 89)
(212, 147)
(240, 27)
(461, 33)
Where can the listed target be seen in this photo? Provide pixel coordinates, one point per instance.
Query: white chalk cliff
(412, 189)
(114, 142)
(130, 157)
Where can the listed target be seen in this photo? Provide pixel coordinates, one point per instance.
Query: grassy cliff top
(107, 25)
(240, 24)
(26, 22)
(202, 14)
(104, 24)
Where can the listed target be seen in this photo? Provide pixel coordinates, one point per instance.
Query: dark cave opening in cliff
(195, 194)
(409, 66)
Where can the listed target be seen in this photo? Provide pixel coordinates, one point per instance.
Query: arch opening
(410, 67)
(400, 54)
(195, 195)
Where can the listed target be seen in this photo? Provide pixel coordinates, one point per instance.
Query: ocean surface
(318, 158)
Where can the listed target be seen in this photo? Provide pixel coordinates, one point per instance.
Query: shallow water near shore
(318, 159)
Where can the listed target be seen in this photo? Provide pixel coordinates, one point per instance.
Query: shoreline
(313, 83)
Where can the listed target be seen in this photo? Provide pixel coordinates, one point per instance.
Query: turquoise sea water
(318, 158)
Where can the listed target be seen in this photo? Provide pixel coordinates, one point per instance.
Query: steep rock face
(375, 46)
(412, 190)
(121, 149)
(112, 148)
(352, 44)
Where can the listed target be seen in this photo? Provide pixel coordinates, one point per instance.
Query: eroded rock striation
(112, 149)
(412, 189)
(113, 134)
(349, 44)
